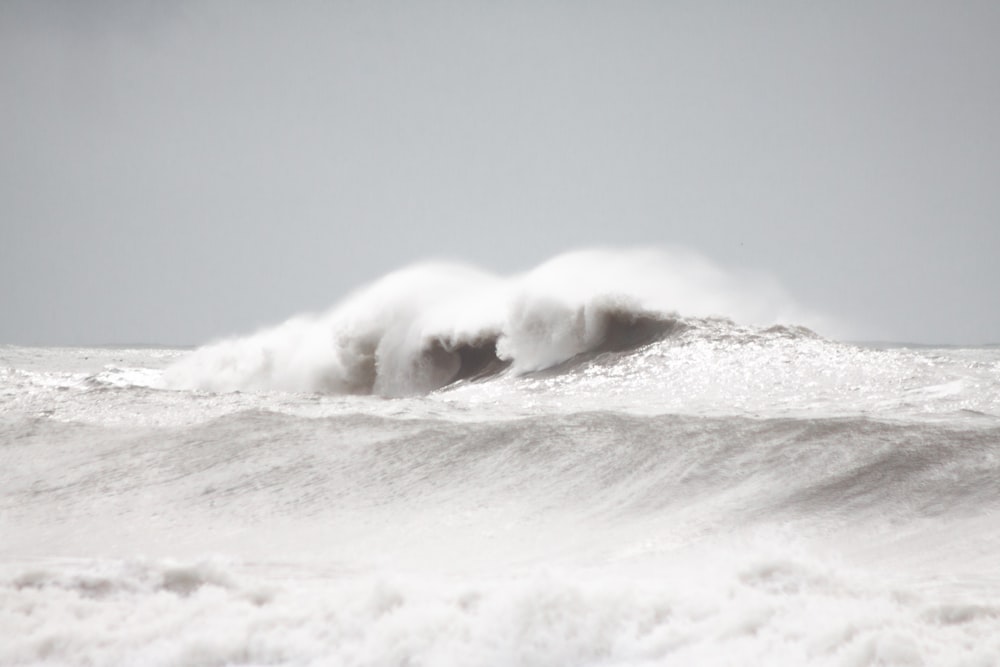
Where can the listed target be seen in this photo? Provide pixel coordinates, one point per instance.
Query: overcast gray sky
(172, 172)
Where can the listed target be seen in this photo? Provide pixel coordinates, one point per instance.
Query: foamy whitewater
(618, 458)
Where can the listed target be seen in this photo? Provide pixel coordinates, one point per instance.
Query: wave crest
(429, 325)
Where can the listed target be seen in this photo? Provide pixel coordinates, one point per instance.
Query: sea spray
(425, 326)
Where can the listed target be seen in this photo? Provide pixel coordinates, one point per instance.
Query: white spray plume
(404, 333)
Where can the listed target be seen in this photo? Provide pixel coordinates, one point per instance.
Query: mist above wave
(431, 324)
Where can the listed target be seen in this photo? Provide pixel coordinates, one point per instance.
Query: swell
(254, 465)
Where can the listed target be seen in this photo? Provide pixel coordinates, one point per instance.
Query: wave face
(429, 325)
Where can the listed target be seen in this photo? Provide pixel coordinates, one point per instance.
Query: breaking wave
(429, 325)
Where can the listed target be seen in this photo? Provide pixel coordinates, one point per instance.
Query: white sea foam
(755, 609)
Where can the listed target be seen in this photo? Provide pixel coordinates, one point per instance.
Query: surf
(432, 324)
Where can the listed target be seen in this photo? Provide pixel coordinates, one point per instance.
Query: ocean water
(452, 469)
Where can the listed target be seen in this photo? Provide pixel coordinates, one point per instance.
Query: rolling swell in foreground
(572, 471)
